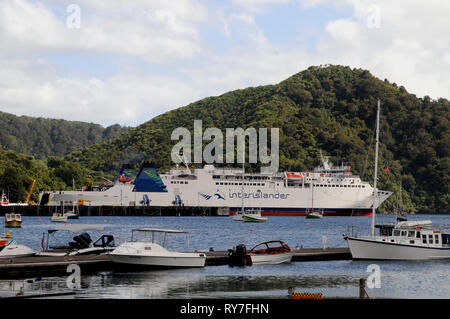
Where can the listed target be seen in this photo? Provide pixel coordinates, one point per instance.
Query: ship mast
(243, 172)
(372, 229)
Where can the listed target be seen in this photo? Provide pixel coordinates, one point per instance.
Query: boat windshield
(158, 236)
(271, 245)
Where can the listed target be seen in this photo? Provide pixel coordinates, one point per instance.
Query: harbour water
(334, 279)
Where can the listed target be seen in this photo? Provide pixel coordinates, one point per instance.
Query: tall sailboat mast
(372, 229)
(243, 172)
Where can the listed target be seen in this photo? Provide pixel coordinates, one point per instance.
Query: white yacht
(413, 240)
(408, 240)
(151, 252)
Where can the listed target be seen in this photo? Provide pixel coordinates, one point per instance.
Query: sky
(125, 62)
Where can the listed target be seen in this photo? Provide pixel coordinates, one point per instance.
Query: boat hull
(361, 248)
(271, 259)
(13, 224)
(312, 216)
(254, 219)
(180, 261)
(16, 250)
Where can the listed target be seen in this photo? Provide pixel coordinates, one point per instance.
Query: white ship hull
(362, 248)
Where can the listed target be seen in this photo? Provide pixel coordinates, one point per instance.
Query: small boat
(249, 215)
(72, 214)
(13, 220)
(9, 248)
(407, 240)
(253, 216)
(59, 218)
(4, 201)
(82, 243)
(149, 253)
(314, 214)
(269, 253)
(238, 216)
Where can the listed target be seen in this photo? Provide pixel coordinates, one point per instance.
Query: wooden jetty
(45, 266)
(302, 254)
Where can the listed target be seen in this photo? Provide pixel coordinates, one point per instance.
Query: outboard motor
(236, 256)
(83, 240)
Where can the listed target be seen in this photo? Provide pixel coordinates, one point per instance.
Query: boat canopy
(77, 228)
(413, 224)
(158, 230)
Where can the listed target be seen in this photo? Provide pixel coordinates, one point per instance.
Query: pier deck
(302, 254)
(45, 266)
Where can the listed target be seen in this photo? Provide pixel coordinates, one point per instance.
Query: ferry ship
(335, 190)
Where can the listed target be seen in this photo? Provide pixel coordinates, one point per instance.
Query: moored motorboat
(152, 253)
(13, 220)
(253, 216)
(9, 248)
(82, 243)
(407, 240)
(413, 240)
(269, 253)
(314, 214)
(59, 218)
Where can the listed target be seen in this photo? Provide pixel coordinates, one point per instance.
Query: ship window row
(179, 182)
(411, 234)
(240, 177)
(333, 185)
(247, 184)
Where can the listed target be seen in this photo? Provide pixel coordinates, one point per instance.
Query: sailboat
(249, 215)
(407, 240)
(313, 213)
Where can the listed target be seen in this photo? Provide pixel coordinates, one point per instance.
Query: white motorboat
(149, 253)
(82, 244)
(9, 248)
(238, 216)
(409, 240)
(269, 253)
(59, 218)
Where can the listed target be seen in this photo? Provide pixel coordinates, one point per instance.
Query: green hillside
(17, 172)
(42, 137)
(332, 108)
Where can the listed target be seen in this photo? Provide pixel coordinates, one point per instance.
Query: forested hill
(332, 108)
(42, 137)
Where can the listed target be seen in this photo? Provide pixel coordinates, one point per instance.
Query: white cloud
(158, 31)
(410, 48)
